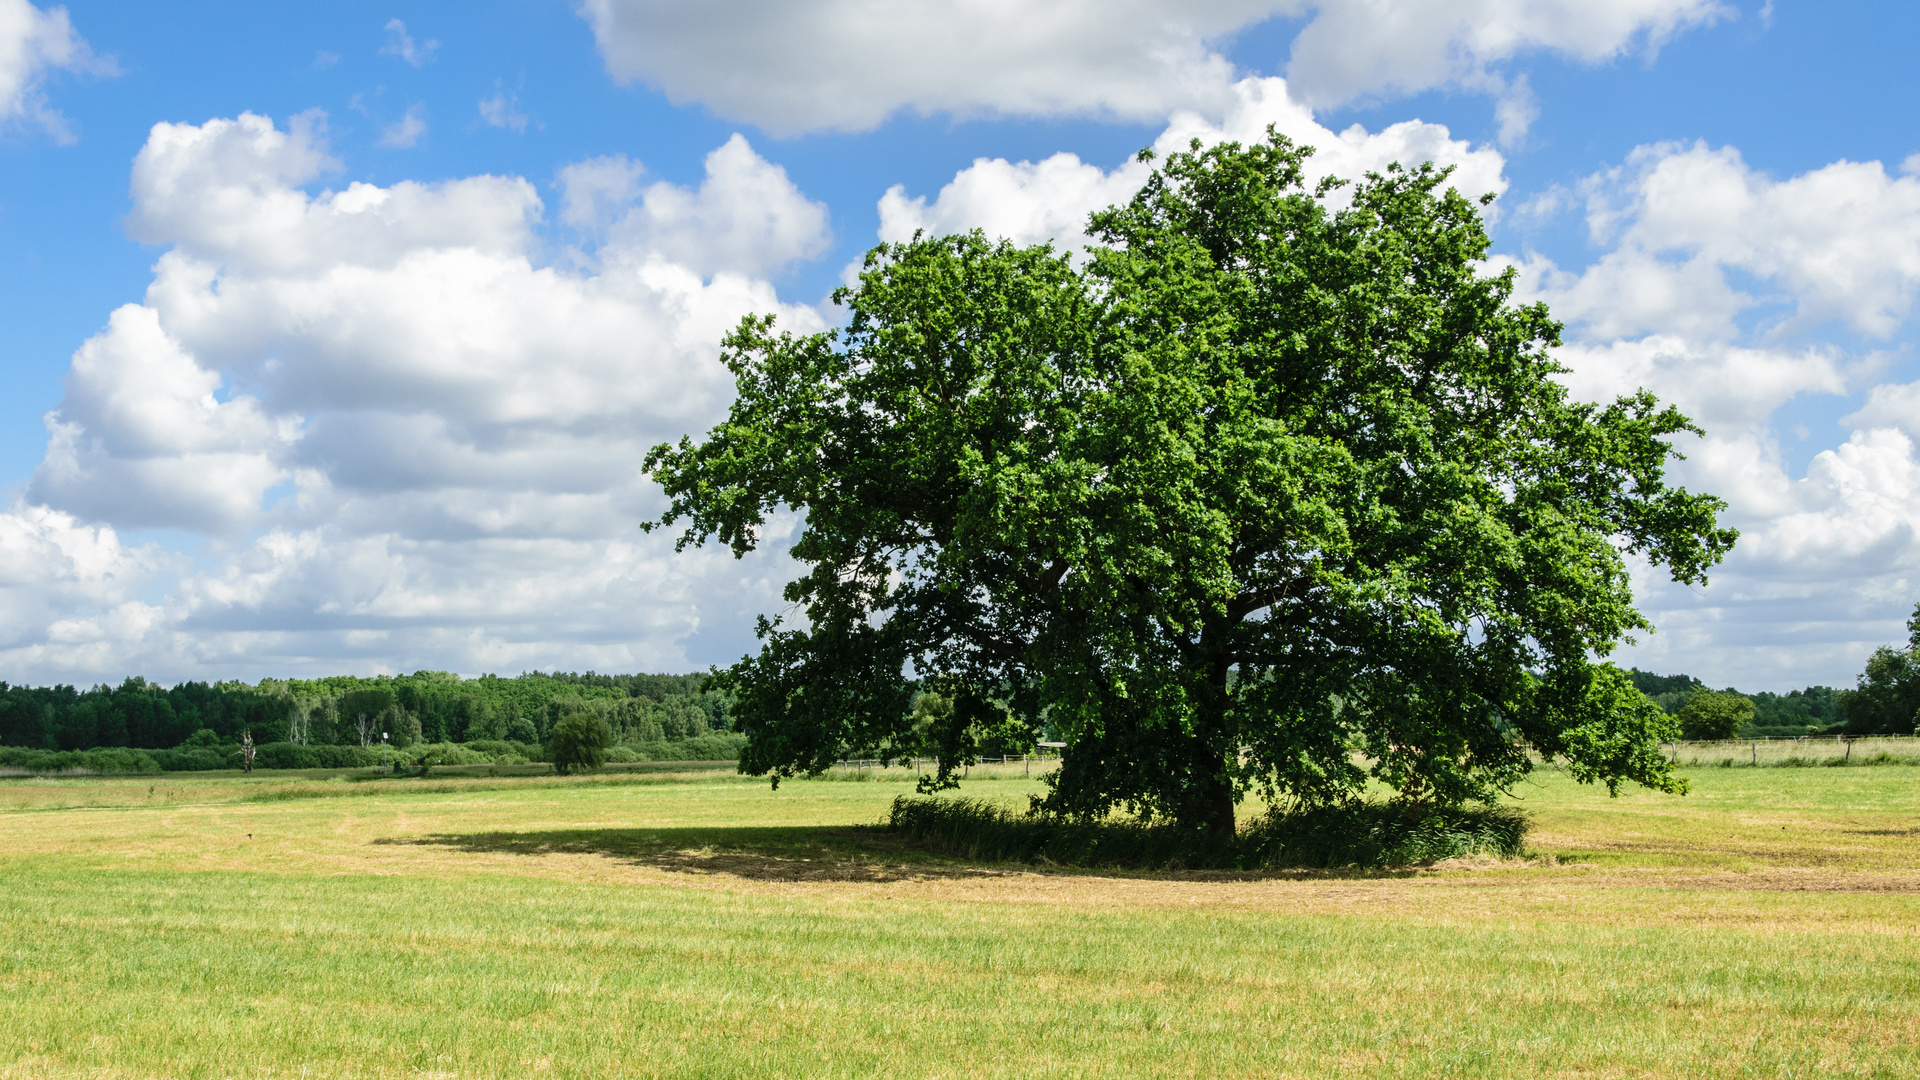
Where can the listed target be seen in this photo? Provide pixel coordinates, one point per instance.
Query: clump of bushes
(193, 758)
(719, 746)
(204, 751)
(503, 751)
(282, 755)
(111, 760)
(1364, 835)
(285, 755)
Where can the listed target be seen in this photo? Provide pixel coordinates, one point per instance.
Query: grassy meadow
(676, 920)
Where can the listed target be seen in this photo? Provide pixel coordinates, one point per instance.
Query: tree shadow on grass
(788, 853)
(858, 853)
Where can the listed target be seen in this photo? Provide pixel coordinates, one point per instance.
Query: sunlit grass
(686, 921)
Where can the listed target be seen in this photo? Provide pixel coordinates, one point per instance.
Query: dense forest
(427, 707)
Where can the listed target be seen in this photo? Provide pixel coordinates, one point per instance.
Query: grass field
(682, 921)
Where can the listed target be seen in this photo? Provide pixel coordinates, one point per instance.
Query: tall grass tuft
(1365, 835)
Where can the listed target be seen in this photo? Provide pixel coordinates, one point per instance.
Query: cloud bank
(839, 65)
(402, 436)
(1726, 291)
(403, 419)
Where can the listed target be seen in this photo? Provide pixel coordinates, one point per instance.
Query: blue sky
(348, 366)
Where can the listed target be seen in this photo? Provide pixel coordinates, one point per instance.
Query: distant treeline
(427, 707)
(313, 722)
(1816, 710)
(202, 753)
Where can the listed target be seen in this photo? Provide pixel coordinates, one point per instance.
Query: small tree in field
(1712, 714)
(579, 740)
(1265, 480)
(1887, 698)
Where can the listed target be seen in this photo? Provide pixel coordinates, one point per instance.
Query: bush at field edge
(1362, 834)
(719, 746)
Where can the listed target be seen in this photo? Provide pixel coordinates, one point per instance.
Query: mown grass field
(681, 921)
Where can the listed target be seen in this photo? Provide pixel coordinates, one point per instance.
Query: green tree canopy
(579, 740)
(1714, 714)
(1887, 697)
(1263, 480)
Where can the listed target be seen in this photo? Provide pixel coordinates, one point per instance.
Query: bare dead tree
(246, 749)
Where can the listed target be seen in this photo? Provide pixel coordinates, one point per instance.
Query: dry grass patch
(702, 925)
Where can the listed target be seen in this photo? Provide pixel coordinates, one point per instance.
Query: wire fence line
(1761, 750)
(1806, 749)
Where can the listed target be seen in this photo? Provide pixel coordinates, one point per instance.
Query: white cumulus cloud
(59, 575)
(1719, 288)
(811, 65)
(403, 438)
(1030, 202)
(849, 64)
(141, 438)
(1366, 48)
(1842, 242)
(745, 217)
(34, 41)
(595, 191)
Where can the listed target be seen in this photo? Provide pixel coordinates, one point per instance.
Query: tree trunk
(1219, 806)
(1207, 803)
(1212, 798)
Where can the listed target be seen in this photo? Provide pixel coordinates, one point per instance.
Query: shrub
(192, 759)
(503, 752)
(285, 755)
(1359, 834)
(1383, 834)
(450, 754)
(291, 756)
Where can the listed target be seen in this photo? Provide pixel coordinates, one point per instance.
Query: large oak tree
(1271, 475)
